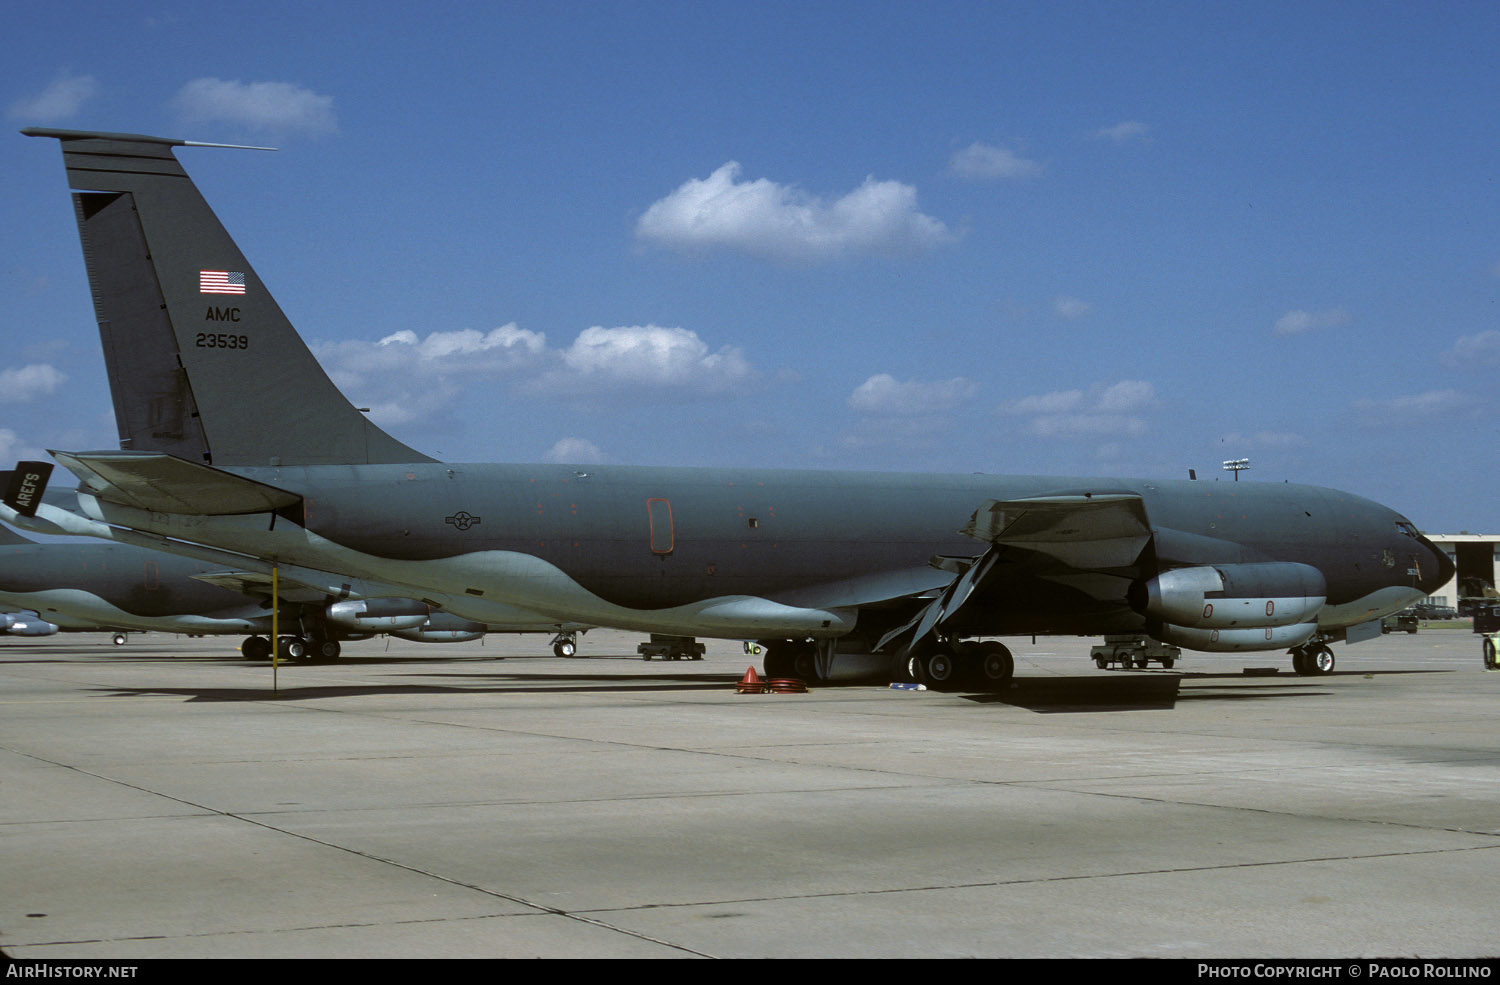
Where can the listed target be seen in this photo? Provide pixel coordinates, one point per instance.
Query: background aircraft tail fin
(203, 364)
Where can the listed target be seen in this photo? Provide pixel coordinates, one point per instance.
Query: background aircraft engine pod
(377, 615)
(443, 627)
(27, 625)
(1233, 596)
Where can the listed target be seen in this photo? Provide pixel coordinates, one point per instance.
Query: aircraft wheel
(328, 650)
(1491, 654)
(778, 662)
(255, 648)
(564, 648)
(941, 668)
(805, 664)
(995, 666)
(905, 669)
(1320, 660)
(1299, 661)
(118, 639)
(293, 648)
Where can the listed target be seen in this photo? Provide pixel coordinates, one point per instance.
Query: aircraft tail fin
(203, 365)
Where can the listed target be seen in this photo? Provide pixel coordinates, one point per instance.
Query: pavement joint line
(246, 819)
(997, 883)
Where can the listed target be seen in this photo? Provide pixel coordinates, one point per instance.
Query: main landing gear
(1312, 659)
(565, 645)
(982, 665)
(292, 648)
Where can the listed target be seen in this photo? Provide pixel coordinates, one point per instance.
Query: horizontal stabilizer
(163, 484)
(1088, 530)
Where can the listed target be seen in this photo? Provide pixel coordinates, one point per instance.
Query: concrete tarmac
(160, 799)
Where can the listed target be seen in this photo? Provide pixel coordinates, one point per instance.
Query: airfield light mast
(1237, 465)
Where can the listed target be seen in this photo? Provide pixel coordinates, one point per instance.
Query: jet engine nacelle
(23, 625)
(443, 627)
(377, 615)
(1235, 640)
(1232, 596)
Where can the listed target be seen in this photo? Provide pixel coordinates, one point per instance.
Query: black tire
(1491, 654)
(778, 662)
(904, 669)
(1320, 661)
(993, 665)
(1101, 662)
(804, 664)
(941, 668)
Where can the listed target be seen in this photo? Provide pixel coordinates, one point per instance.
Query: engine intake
(377, 615)
(1232, 596)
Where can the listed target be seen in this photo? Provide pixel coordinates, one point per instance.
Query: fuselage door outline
(659, 515)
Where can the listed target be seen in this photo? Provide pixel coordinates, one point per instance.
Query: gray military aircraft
(236, 446)
(121, 588)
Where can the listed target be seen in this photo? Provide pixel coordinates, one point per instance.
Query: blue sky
(1070, 238)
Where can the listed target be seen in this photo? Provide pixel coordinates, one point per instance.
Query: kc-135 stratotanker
(235, 445)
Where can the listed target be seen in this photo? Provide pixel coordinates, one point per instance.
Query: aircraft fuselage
(658, 543)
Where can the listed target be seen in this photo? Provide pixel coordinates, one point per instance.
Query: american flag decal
(221, 282)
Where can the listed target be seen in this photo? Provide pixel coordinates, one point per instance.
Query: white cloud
(1105, 411)
(1056, 402)
(1126, 395)
(1121, 132)
(651, 355)
(766, 219)
(1480, 351)
(1068, 308)
(418, 378)
(29, 382)
(883, 394)
(269, 106)
(1297, 322)
(500, 351)
(982, 161)
(58, 101)
(13, 449)
(1414, 408)
(574, 451)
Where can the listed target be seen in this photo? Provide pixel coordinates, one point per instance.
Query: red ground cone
(750, 683)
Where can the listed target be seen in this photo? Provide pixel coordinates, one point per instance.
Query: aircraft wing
(1087, 532)
(165, 484)
(255, 583)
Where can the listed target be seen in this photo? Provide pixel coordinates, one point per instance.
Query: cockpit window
(1406, 527)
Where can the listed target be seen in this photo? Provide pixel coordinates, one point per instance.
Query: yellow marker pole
(275, 629)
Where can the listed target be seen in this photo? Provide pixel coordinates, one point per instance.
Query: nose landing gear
(1312, 659)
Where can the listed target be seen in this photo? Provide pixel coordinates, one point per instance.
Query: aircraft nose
(1437, 571)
